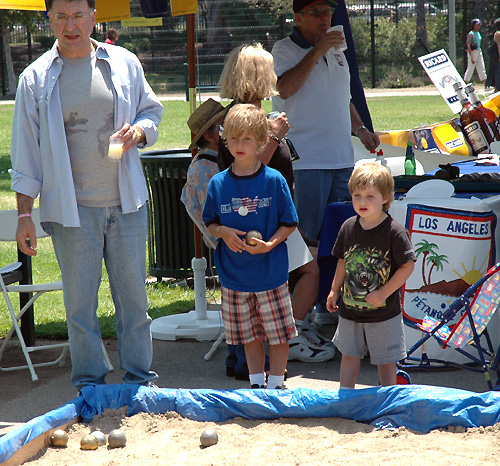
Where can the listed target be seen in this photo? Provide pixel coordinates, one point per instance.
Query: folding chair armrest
(54, 286)
(10, 268)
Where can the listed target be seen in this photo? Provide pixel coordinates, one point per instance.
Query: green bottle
(410, 164)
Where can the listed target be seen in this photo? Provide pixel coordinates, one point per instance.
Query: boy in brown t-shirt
(375, 258)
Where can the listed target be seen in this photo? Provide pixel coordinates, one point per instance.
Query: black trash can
(170, 229)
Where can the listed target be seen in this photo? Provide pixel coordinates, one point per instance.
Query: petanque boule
(209, 437)
(89, 442)
(59, 438)
(116, 439)
(100, 436)
(249, 237)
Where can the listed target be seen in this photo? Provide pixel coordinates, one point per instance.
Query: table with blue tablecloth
(487, 179)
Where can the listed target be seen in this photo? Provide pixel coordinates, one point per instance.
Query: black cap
(299, 5)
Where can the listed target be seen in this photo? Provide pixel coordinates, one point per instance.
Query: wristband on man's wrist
(23, 215)
(276, 138)
(359, 129)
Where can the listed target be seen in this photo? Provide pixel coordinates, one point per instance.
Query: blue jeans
(105, 233)
(314, 190)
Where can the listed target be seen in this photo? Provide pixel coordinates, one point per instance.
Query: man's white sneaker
(301, 349)
(316, 337)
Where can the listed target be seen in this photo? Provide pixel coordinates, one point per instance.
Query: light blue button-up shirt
(39, 152)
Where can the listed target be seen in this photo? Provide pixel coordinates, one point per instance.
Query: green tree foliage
(397, 49)
(9, 18)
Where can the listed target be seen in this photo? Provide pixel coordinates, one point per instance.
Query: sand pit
(170, 439)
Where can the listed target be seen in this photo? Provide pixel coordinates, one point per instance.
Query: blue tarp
(417, 407)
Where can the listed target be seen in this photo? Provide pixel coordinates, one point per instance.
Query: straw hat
(202, 118)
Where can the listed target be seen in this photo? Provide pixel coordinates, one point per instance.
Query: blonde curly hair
(248, 74)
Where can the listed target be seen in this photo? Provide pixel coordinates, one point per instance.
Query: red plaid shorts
(262, 315)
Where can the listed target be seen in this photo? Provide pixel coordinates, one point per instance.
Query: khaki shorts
(263, 315)
(384, 340)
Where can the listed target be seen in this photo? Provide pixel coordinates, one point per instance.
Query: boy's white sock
(275, 381)
(258, 379)
(299, 324)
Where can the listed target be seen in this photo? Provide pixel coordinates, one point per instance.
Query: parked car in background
(411, 9)
(380, 10)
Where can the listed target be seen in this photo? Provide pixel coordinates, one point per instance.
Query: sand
(170, 439)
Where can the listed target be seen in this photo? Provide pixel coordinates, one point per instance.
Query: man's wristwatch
(359, 129)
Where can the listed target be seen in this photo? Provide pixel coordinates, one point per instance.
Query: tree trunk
(218, 40)
(480, 10)
(8, 58)
(421, 23)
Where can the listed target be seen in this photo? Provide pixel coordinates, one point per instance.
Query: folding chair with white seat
(8, 226)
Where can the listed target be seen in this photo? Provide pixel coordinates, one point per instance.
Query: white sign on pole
(443, 74)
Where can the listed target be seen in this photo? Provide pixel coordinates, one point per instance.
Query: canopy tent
(115, 10)
(37, 5)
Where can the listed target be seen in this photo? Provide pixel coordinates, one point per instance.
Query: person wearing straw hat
(204, 123)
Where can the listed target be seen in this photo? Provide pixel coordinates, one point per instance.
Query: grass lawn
(388, 113)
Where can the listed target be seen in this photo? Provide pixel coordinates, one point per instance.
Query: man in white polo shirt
(314, 91)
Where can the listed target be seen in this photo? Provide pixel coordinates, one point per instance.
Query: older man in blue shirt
(68, 104)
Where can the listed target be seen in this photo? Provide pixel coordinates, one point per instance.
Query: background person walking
(474, 54)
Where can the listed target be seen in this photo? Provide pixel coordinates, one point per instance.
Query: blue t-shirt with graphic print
(267, 199)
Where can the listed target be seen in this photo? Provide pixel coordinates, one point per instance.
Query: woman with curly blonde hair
(248, 77)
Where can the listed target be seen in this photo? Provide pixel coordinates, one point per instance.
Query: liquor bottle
(474, 125)
(410, 164)
(489, 114)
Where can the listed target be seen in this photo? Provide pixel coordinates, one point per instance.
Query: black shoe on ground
(257, 386)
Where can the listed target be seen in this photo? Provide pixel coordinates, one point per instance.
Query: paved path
(428, 90)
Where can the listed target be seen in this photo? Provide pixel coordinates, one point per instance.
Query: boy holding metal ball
(256, 304)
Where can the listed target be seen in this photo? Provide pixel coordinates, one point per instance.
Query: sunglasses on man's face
(319, 12)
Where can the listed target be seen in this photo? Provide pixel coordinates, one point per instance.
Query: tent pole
(198, 244)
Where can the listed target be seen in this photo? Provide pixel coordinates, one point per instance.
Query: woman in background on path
(474, 54)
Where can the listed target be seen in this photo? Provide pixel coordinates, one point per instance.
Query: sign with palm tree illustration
(454, 249)
(430, 256)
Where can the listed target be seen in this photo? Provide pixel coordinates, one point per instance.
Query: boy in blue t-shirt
(249, 196)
